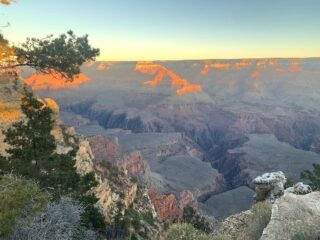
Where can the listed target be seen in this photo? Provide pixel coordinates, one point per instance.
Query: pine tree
(313, 176)
(32, 155)
(32, 145)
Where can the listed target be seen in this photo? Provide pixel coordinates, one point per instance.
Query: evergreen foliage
(32, 155)
(18, 198)
(184, 231)
(64, 54)
(32, 145)
(313, 176)
(190, 215)
(289, 183)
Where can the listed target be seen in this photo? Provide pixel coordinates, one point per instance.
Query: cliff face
(168, 206)
(115, 191)
(293, 214)
(115, 188)
(131, 162)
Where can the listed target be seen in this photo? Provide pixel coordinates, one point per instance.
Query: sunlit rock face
(295, 65)
(54, 81)
(9, 113)
(159, 72)
(10, 109)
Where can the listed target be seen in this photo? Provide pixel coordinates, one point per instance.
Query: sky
(174, 29)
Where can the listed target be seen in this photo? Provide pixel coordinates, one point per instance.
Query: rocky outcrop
(115, 188)
(269, 186)
(299, 188)
(168, 207)
(160, 72)
(54, 81)
(131, 162)
(186, 198)
(293, 214)
(165, 205)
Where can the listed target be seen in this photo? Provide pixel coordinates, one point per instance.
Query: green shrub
(289, 182)
(184, 231)
(132, 224)
(18, 198)
(200, 222)
(313, 176)
(255, 224)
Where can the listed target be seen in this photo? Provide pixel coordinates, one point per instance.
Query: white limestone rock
(269, 186)
(292, 213)
(299, 188)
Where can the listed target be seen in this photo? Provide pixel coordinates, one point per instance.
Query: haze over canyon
(199, 130)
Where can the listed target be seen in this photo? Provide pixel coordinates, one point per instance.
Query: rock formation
(160, 72)
(295, 210)
(115, 188)
(293, 214)
(165, 205)
(299, 188)
(54, 81)
(269, 186)
(131, 162)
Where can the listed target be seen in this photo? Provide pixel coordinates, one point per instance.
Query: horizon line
(203, 59)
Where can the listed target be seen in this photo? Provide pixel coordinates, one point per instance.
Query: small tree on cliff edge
(32, 145)
(64, 54)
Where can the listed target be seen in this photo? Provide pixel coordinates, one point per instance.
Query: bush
(202, 223)
(313, 176)
(261, 214)
(184, 231)
(18, 198)
(289, 182)
(59, 221)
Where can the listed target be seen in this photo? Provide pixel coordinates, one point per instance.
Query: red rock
(105, 149)
(165, 205)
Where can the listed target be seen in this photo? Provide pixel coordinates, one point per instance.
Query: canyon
(205, 128)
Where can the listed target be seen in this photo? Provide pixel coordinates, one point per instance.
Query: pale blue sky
(175, 29)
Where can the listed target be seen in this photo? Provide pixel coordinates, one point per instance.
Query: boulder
(269, 186)
(299, 188)
(292, 214)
